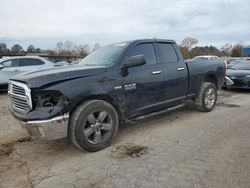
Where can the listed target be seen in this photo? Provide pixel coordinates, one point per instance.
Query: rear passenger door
(174, 70)
(143, 85)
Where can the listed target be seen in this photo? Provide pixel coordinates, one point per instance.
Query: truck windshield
(104, 56)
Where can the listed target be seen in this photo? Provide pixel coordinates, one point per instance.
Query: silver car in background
(11, 66)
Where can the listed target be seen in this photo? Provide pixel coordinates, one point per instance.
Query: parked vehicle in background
(112, 85)
(11, 66)
(75, 62)
(209, 58)
(231, 63)
(204, 57)
(61, 63)
(238, 76)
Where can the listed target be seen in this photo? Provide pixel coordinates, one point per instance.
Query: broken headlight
(49, 99)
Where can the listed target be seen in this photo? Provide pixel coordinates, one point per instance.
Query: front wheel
(93, 125)
(207, 97)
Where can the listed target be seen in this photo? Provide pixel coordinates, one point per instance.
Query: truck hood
(43, 77)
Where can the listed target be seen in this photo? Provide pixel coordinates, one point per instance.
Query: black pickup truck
(112, 85)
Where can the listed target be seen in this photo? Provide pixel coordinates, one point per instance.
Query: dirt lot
(181, 148)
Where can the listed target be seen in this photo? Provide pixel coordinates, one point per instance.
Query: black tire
(204, 102)
(82, 125)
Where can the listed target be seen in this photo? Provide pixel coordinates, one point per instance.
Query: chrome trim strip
(180, 68)
(156, 72)
(65, 116)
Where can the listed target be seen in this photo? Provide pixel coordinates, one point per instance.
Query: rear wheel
(207, 97)
(93, 125)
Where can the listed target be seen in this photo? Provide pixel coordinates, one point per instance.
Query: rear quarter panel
(199, 70)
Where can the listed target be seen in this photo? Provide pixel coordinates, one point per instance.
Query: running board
(164, 111)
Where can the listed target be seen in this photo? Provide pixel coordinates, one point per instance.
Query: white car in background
(11, 66)
(61, 63)
(209, 58)
(205, 57)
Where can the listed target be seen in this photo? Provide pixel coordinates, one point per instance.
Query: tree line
(188, 48)
(66, 48)
(17, 49)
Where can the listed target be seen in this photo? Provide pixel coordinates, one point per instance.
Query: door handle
(181, 69)
(156, 72)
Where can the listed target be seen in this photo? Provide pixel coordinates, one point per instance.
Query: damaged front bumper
(50, 129)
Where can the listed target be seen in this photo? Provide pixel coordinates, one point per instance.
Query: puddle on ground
(228, 105)
(7, 149)
(129, 150)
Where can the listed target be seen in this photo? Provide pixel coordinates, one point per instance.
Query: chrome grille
(18, 90)
(19, 97)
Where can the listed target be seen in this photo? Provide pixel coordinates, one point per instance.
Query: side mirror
(135, 61)
(1, 66)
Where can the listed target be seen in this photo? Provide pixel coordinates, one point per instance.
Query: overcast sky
(45, 22)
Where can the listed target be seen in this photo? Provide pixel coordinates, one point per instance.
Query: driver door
(143, 85)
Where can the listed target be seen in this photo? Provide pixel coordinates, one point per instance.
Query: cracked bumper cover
(50, 129)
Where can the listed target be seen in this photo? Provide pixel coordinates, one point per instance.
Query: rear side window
(30, 62)
(146, 49)
(166, 53)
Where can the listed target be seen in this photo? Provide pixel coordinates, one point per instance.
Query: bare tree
(189, 42)
(185, 52)
(96, 46)
(86, 48)
(68, 46)
(227, 48)
(83, 49)
(59, 46)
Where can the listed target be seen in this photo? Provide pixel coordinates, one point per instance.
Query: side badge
(129, 87)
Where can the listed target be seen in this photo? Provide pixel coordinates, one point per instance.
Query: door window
(30, 62)
(146, 49)
(11, 63)
(166, 53)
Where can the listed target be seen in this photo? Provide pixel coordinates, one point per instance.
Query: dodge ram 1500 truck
(114, 84)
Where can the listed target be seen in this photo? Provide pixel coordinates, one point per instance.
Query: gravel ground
(9, 128)
(181, 148)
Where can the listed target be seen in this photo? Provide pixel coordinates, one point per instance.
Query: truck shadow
(3, 92)
(235, 91)
(167, 116)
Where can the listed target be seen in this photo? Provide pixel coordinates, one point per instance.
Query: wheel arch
(104, 97)
(211, 78)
